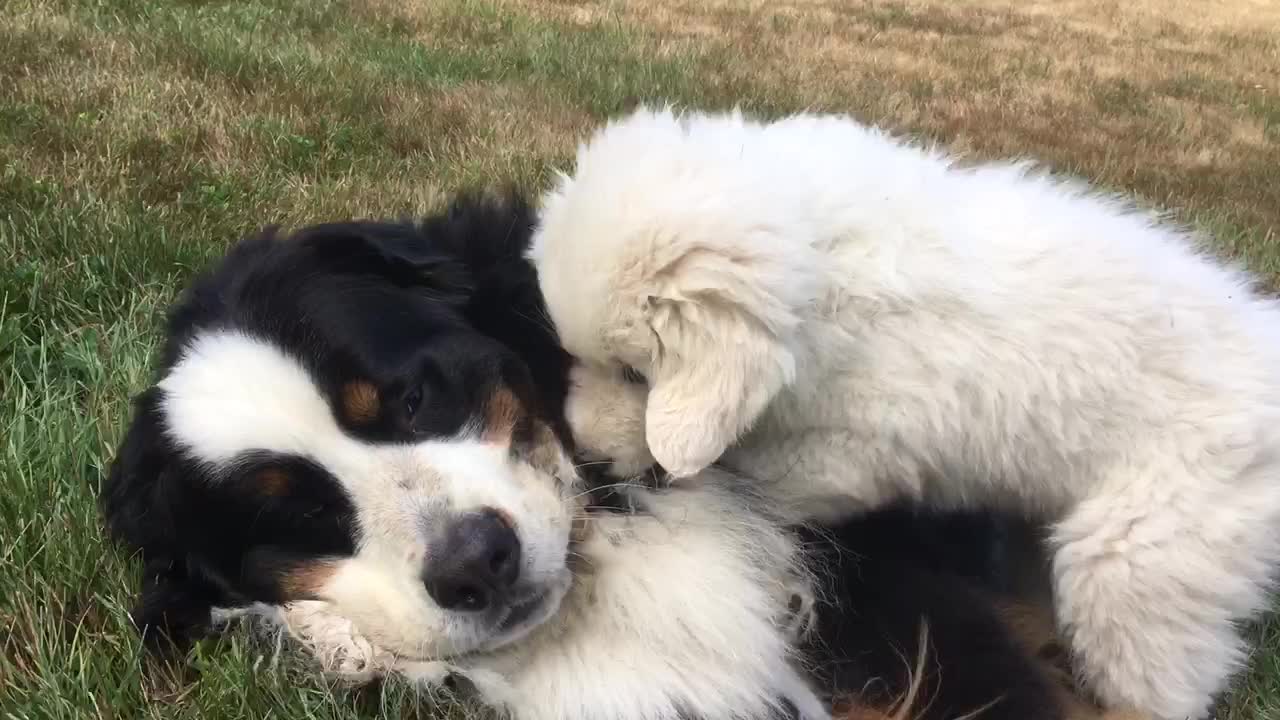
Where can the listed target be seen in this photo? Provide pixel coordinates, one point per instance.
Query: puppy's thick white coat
(678, 611)
(858, 319)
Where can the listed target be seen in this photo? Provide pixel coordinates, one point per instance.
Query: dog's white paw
(429, 673)
(335, 643)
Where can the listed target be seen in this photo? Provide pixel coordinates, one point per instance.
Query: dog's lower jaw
(548, 605)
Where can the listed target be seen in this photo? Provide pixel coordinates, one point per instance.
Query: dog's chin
(528, 612)
(478, 633)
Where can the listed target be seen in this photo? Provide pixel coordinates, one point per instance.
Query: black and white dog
(361, 425)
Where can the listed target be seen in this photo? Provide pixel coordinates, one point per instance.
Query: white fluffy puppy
(859, 319)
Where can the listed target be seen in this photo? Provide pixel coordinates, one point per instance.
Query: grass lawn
(139, 137)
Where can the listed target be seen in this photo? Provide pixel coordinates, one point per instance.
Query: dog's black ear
(391, 251)
(488, 231)
(134, 499)
(174, 604)
(139, 503)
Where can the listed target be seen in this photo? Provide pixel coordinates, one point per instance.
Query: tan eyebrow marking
(502, 412)
(274, 482)
(360, 402)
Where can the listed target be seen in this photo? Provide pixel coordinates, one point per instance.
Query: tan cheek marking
(305, 581)
(502, 412)
(547, 455)
(274, 482)
(360, 402)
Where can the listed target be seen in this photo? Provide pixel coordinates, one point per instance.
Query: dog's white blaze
(231, 393)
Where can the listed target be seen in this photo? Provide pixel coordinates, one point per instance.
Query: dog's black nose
(476, 563)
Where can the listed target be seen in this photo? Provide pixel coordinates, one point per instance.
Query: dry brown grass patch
(1177, 100)
(520, 119)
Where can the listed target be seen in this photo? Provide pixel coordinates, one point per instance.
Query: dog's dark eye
(633, 376)
(413, 401)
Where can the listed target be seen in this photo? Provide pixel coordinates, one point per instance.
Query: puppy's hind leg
(1153, 572)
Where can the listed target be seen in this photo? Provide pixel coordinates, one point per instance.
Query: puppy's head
(348, 414)
(672, 255)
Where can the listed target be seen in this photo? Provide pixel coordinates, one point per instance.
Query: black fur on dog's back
(895, 578)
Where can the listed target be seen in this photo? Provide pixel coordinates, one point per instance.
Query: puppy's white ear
(719, 367)
(701, 405)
